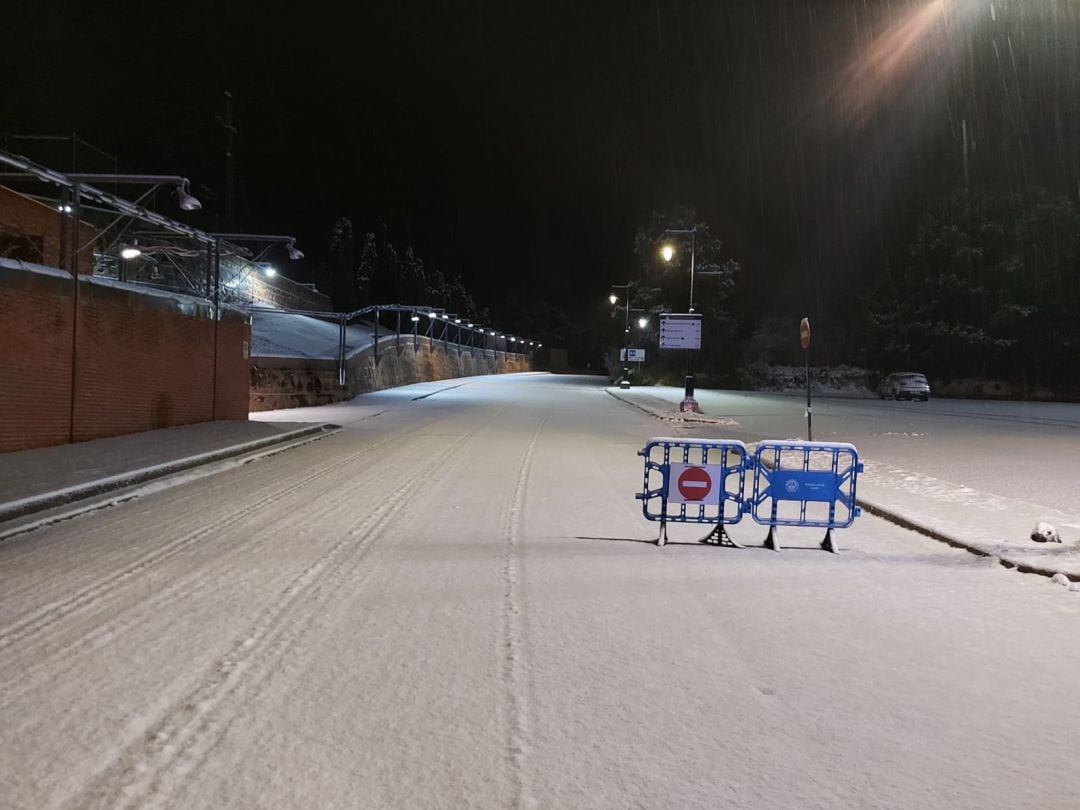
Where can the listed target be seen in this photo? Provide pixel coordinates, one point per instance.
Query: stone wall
(295, 383)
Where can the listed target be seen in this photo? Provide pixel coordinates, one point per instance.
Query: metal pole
(376, 344)
(688, 388)
(74, 265)
(809, 426)
(341, 351)
(397, 343)
(626, 340)
(217, 319)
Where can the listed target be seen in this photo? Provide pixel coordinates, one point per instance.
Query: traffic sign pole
(804, 339)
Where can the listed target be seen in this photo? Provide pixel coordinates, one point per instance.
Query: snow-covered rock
(1045, 533)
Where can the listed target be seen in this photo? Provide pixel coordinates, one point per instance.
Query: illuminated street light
(183, 187)
(613, 298)
(290, 241)
(667, 251)
(643, 322)
(130, 252)
(270, 271)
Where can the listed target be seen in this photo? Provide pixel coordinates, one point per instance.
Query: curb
(896, 518)
(39, 503)
(954, 541)
(688, 418)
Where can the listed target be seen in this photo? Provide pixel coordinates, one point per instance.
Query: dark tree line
(381, 275)
(989, 288)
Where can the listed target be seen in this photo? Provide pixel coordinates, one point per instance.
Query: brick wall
(35, 360)
(141, 361)
(27, 223)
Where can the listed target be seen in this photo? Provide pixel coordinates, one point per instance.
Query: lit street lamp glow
(130, 252)
(270, 272)
(667, 252)
(613, 298)
(643, 322)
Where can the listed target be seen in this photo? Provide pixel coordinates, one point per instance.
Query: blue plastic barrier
(804, 484)
(694, 481)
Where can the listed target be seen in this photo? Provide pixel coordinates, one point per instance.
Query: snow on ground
(456, 602)
(281, 334)
(982, 472)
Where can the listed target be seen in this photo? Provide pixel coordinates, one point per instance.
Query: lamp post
(294, 254)
(667, 252)
(183, 187)
(642, 322)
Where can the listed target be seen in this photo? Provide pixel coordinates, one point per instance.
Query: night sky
(521, 144)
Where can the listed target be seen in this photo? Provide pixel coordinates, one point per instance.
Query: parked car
(905, 385)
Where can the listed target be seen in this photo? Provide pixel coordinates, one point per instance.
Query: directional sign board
(695, 483)
(679, 331)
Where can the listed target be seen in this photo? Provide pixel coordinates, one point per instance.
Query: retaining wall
(294, 383)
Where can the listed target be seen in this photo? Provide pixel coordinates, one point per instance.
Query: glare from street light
(415, 317)
(270, 271)
(613, 298)
(643, 322)
(130, 253)
(667, 251)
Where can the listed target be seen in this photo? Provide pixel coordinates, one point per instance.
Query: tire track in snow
(150, 771)
(26, 662)
(86, 598)
(513, 663)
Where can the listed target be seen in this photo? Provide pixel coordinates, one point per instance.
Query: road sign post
(804, 339)
(683, 331)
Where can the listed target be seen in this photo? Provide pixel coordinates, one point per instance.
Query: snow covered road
(454, 602)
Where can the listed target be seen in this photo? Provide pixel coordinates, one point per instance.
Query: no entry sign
(804, 333)
(695, 483)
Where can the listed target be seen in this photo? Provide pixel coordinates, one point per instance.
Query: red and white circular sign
(695, 483)
(804, 333)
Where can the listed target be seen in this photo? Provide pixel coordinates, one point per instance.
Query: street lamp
(289, 241)
(667, 252)
(183, 187)
(642, 322)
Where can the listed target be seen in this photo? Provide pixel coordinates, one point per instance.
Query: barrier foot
(719, 537)
(828, 544)
(771, 541)
(662, 539)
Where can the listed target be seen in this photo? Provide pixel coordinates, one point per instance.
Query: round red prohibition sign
(695, 483)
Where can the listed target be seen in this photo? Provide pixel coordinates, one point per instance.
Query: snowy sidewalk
(982, 522)
(33, 480)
